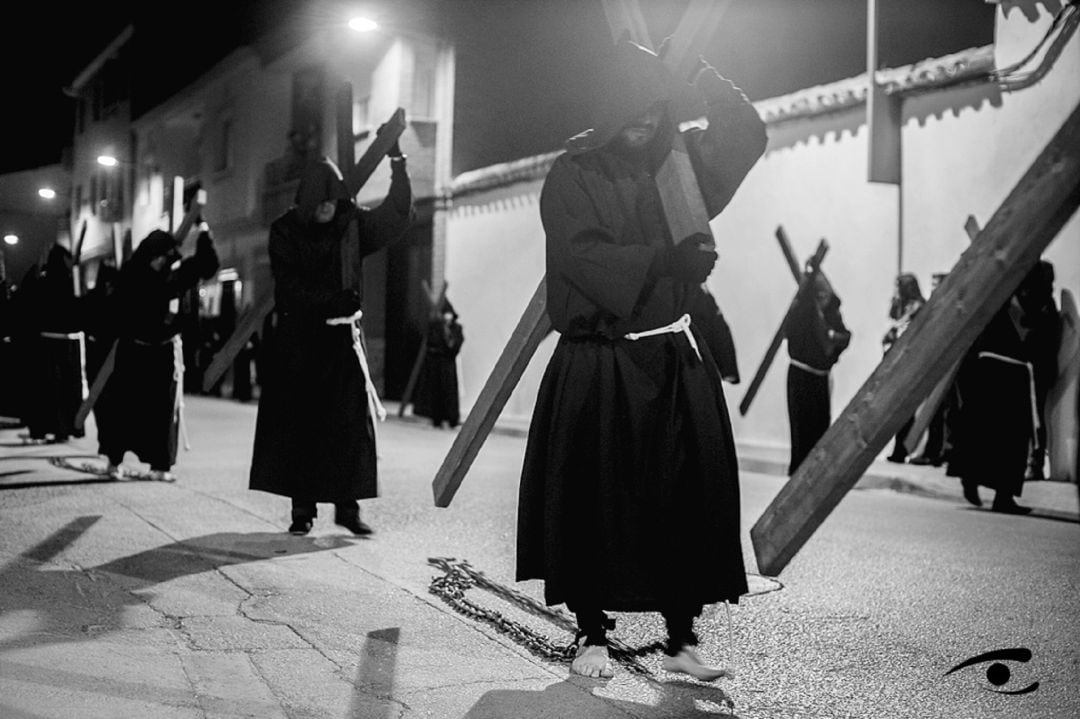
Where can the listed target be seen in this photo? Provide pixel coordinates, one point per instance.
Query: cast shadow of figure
(573, 698)
(72, 605)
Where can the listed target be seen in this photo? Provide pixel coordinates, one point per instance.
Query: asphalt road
(889, 595)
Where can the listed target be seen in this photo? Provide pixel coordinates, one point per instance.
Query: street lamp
(11, 239)
(363, 24)
(47, 192)
(107, 161)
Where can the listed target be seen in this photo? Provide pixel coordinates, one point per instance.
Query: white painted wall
(495, 260)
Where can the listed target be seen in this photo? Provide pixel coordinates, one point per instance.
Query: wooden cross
(983, 279)
(355, 174)
(804, 281)
(684, 211)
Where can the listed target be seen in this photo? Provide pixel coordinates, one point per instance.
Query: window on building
(360, 120)
(78, 199)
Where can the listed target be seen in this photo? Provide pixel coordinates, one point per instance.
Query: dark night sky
(519, 62)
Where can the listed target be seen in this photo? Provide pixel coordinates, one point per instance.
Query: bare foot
(592, 661)
(687, 661)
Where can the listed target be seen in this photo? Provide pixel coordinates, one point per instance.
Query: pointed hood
(321, 182)
(625, 83)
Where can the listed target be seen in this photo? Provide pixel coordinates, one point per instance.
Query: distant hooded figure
(144, 390)
(816, 336)
(57, 351)
(630, 475)
(437, 392)
(906, 302)
(315, 433)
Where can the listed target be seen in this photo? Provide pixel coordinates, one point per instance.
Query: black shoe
(896, 458)
(354, 524)
(300, 526)
(971, 493)
(1008, 506)
(922, 461)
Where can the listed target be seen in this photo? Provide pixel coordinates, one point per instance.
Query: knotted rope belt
(680, 325)
(374, 405)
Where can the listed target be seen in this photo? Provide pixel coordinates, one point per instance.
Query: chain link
(459, 577)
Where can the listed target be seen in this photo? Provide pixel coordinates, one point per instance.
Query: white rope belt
(807, 368)
(1035, 424)
(178, 377)
(680, 325)
(374, 405)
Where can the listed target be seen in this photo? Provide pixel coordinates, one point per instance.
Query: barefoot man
(629, 494)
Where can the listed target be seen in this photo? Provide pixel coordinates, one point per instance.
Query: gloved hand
(689, 261)
(345, 303)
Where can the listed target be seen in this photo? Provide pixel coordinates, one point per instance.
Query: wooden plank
(96, 388)
(346, 140)
(684, 210)
(789, 254)
(983, 279)
(925, 414)
(249, 322)
(390, 133)
(778, 338)
(76, 257)
(531, 329)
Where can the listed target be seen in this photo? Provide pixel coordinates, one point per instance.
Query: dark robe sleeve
(583, 252)
(293, 291)
(709, 320)
(386, 223)
(200, 266)
(723, 154)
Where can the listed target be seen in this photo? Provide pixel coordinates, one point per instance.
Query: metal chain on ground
(459, 576)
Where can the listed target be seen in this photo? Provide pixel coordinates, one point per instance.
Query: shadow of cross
(684, 212)
(374, 685)
(75, 604)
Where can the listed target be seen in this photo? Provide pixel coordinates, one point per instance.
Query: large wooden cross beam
(984, 277)
(684, 211)
(355, 174)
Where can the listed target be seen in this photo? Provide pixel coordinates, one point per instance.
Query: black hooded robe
(56, 352)
(437, 390)
(630, 460)
(143, 390)
(314, 435)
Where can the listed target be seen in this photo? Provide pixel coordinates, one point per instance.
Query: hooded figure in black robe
(144, 390)
(816, 336)
(437, 391)
(315, 434)
(629, 494)
(56, 351)
(906, 302)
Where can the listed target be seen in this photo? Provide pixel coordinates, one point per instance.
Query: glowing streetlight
(47, 192)
(107, 161)
(11, 239)
(363, 24)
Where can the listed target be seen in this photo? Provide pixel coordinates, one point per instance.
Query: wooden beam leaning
(778, 338)
(984, 277)
(925, 414)
(684, 210)
(96, 388)
(531, 329)
(252, 319)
